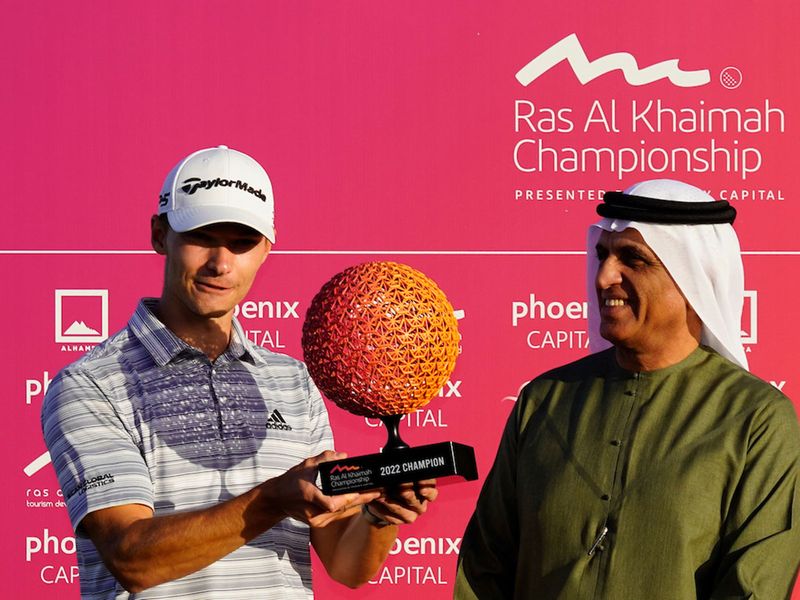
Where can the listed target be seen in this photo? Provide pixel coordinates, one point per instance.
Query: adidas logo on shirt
(276, 421)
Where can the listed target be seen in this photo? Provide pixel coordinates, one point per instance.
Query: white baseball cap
(218, 185)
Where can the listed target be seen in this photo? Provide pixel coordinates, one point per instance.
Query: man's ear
(269, 244)
(158, 234)
(268, 247)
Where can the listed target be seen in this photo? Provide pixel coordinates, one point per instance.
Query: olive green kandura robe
(674, 484)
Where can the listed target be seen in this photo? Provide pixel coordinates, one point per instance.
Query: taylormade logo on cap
(191, 185)
(218, 185)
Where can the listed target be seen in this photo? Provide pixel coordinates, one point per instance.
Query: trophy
(380, 340)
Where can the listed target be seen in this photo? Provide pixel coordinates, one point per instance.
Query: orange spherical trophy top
(379, 339)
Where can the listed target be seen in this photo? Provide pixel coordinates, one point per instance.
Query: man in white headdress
(657, 467)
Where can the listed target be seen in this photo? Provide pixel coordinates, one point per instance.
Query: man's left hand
(404, 503)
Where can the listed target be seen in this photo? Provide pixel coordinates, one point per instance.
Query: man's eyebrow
(629, 246)
(633, 245)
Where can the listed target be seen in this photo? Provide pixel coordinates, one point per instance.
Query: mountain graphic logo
(80, 328)
(81, 316)
(569, 49)
(276, 421)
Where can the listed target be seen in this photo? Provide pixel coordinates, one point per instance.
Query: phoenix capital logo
(569, 49)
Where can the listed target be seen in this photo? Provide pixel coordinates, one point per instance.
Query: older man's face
(641, 307)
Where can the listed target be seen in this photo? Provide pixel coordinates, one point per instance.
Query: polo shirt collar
(242, 347)
(164, 346)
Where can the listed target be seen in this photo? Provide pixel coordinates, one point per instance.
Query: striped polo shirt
(144, 418)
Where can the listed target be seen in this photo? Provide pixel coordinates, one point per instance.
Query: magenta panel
(469, 140)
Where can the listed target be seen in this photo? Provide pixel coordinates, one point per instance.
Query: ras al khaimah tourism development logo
(81, 319)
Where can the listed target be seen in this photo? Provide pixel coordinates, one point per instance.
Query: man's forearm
(352, 550)
(143, 551)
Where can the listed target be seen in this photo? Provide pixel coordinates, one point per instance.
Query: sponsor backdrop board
(469, 140)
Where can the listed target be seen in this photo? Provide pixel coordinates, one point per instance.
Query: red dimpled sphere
(380, 339)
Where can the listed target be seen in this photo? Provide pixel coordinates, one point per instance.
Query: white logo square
(749, 327)
(77, 330)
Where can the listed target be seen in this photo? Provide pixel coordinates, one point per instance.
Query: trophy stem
(395, 442)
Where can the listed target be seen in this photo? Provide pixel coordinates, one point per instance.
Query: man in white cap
(183, 449)
(658, 467)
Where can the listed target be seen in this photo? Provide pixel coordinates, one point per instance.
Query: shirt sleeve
(487, 561)
(761, 539)
(97, 462)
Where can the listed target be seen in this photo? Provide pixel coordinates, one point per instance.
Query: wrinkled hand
(404, 503)
(295, 494)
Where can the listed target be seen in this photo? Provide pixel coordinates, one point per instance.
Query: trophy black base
(396, 466)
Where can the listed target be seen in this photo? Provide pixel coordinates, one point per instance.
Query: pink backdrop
(389, 131)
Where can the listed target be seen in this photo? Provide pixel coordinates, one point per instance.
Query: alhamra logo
(570, 49)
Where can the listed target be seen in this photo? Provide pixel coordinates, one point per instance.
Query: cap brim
(186, 219)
